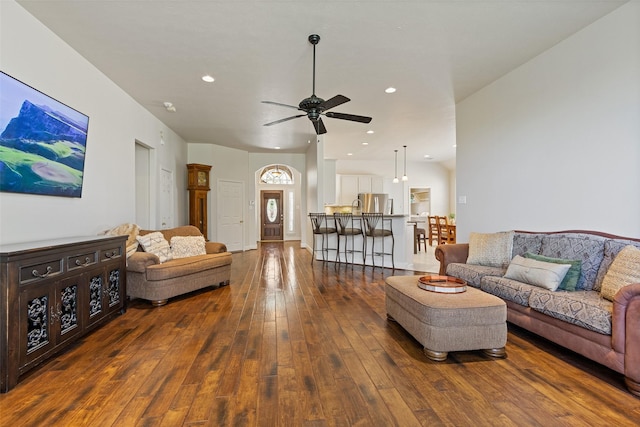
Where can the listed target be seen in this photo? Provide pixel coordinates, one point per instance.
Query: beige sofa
(149, 279)
(604, 330)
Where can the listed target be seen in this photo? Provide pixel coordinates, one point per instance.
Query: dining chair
(444, 231)
(434, 230)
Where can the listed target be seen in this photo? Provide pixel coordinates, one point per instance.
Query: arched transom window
(276, 174)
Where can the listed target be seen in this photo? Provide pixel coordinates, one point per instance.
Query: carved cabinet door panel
(49, 315)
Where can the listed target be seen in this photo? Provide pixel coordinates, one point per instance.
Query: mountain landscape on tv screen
(42, 151)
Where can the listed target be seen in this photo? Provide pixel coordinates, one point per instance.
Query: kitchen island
(402, 235)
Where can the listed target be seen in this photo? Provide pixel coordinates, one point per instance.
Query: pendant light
(396, 180)
(405, 177)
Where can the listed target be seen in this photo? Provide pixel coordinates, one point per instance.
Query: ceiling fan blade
(352, 117)
(333, 102)
(284, 120)
(282, 105)
(319, 127)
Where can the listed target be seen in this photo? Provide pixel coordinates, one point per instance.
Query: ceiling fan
(315, 107)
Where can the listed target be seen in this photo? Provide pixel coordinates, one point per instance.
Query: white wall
(555, 144)
(33, 54)
(239, 165)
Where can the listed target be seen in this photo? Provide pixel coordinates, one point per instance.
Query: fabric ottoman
(441, 322)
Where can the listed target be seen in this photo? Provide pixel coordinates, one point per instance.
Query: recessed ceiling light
(455, 145)
(276, 148)
(370, 131)
(390, 89)
(365, 143)
(426, 156)
(169, 106)
(349, 154)
(208, 78)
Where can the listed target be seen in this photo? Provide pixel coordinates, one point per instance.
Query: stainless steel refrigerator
(375, 203)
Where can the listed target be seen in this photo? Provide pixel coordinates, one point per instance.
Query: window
(276, 174)
(291, 216)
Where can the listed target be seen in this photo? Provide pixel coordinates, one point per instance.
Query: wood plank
(301, 344)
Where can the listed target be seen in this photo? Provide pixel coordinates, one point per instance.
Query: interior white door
(142, 186)
(230, 230)
(166, 199)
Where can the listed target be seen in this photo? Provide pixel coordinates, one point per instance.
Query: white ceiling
(435, 53)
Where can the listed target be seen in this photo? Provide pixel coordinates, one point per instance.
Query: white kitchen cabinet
(350, 185)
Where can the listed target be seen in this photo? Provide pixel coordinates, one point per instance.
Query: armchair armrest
(625, 334)
(451, 253)
(138, 261)
(215, 247)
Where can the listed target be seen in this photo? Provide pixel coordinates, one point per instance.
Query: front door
(271, 215)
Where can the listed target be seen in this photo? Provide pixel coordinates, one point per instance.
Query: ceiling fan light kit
(314, 107)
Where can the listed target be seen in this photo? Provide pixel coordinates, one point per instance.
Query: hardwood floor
(294, 344)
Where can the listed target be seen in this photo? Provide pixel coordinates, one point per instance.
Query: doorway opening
(420, 202)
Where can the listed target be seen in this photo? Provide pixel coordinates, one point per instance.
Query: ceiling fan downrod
(314, 39)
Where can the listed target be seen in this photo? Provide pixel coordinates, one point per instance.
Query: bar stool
(345, 224)
(421, 236)
(321, 227)
(374, 228)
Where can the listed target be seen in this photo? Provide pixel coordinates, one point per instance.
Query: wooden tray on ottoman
(442, 284)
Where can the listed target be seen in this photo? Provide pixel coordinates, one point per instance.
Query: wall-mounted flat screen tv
(42, 142)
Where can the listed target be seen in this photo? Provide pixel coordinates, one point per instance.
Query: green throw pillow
(570, 281)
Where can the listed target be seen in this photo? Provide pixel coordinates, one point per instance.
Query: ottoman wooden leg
(436, 356)
(500, 353)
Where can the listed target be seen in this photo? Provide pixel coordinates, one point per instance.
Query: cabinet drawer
(42, 270)
(83, 260)
(111, 252)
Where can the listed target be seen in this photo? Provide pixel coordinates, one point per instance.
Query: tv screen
(42, 142)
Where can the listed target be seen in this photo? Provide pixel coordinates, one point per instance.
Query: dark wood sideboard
(52, 293)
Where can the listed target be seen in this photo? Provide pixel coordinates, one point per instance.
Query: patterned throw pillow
(570, 281)
(492, 250)
(546, 275)
(156, 244)
(186, 246)
(624, 270)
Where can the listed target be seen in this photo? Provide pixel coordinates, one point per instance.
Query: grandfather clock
(198, 186)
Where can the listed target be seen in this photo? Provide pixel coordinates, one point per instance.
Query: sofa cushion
(611, 248)
(526, 242)
(156, 244)
(571, 278)
(586, 247)
(186, 266)
(624, 270)
(546, 275)
(186, 246)
(473, 274)
(586, 309)
(493, 250)
(508, 289)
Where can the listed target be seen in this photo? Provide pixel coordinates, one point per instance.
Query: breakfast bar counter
(402, 237)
